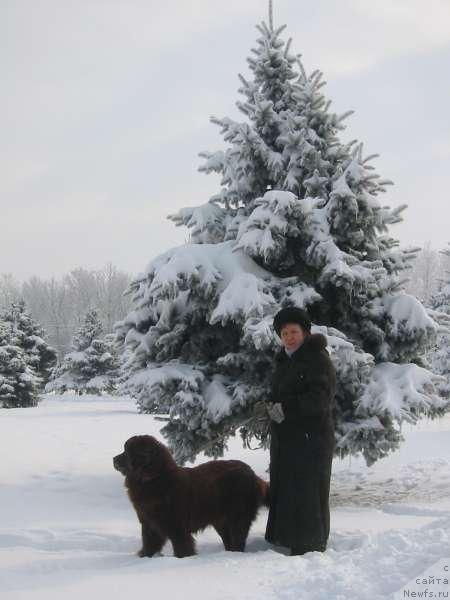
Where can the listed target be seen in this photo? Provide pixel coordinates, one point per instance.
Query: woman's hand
(276, 412)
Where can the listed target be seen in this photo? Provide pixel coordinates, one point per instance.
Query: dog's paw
(145, 554)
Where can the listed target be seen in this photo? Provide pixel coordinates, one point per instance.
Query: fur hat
(291, 314)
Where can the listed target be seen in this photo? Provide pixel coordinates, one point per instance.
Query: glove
(276, 412)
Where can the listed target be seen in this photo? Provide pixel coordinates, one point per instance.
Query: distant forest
(60, 305)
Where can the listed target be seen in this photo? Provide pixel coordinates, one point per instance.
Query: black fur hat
(291, 314)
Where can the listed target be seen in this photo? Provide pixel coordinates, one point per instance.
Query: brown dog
(173, 502)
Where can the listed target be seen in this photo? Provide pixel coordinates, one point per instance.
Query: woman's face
(292, 335)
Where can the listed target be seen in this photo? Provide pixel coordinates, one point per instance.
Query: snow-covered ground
(67, 529)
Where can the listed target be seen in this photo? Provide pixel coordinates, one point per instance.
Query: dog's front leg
(152, 541)
(183, 544)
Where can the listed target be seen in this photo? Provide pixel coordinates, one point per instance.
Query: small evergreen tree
(439, 355)
(92, 366)
(297, 221)
(18, 381)
(90, 329)
(31, 338)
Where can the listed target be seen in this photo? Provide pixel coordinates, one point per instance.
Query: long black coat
(301, 447)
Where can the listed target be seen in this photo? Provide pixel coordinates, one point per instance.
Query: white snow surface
(68, 530)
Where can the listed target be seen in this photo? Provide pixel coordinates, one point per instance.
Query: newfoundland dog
(173, 502)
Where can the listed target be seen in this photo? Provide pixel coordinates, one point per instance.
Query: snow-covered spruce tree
(18, 381)
(92, 366)
(31, 338)
(439, 355)
(90, 329)
(297, 221)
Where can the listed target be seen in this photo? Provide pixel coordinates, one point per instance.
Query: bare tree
(9, 290)
(111, 303)
(50, 304)
(444, 275)
(425, 274)
(81, 286)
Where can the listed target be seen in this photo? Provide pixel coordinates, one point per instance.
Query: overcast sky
(106, 104)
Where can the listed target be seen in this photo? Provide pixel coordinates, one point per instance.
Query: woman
(302, 436)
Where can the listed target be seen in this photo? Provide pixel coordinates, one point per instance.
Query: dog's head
(143, 458)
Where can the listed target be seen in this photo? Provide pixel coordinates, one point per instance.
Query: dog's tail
(264, 490)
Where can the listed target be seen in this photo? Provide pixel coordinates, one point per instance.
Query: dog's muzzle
(118, 462)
